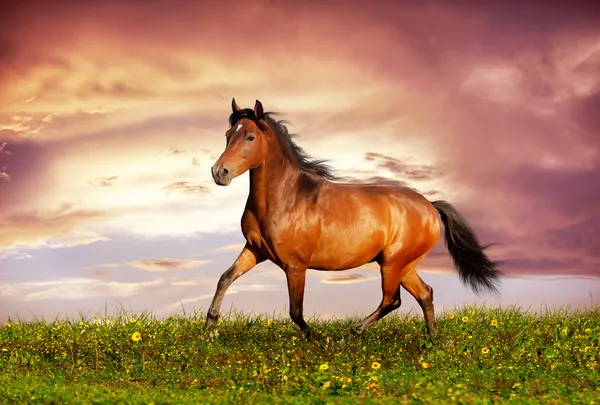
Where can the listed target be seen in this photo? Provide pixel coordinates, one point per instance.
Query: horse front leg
(296, 280)
(247, 260)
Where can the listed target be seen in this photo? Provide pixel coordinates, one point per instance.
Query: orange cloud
(233, 246)
(61, 227)
(346, 279)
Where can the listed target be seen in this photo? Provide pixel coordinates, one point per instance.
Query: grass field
(481, 355)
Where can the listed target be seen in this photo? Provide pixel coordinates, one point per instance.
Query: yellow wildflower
(131, 320)
(465, 319)
(136, 337)
(451, 315)
(326, 384)
(375, 365)
(485, 350)
(425, 365)
(494, 322)
(324, 367)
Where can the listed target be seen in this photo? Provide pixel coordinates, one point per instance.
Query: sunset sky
(112, 113)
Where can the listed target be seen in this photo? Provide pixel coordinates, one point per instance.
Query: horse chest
(277, 236)
(260, 233)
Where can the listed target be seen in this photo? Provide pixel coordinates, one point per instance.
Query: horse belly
(346, 249)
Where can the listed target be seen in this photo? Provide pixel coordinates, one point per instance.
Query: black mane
(307, 164)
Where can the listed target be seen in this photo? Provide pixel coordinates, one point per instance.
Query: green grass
(533, 357)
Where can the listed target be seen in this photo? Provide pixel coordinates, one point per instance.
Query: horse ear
(258, 110)
(234, 106)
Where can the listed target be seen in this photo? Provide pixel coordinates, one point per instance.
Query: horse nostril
(225, 171)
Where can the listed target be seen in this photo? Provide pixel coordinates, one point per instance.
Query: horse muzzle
(221, 175)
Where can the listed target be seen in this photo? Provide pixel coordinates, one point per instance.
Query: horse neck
(270, 185)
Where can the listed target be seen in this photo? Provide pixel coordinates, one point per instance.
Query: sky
(112, 113)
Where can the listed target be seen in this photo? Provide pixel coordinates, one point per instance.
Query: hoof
(213, 334)
(312, 336)
(352, 336)
(356, 330)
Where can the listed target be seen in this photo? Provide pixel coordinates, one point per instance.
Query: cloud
(103, 181)
(109, 265)
(5, 253)
(382, 181)
(167, 264)
(175, 151)
(67, 242)
(379, 180)
(21, 257)
(347, 279)
(59, 242)
(155, 265)
(403, 169)
(73, 289)
(186, 188)
(185, 283)
(234, 246)
(98, 273)
(60, 227)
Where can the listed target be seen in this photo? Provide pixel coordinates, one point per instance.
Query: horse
(300, 216)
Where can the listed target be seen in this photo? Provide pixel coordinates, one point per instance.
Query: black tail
(474, 267)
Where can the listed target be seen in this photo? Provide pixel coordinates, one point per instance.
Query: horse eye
(250, 138)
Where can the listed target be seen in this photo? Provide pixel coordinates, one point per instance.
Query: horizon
(112, 113)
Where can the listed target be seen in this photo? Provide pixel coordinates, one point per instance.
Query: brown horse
(300, 218)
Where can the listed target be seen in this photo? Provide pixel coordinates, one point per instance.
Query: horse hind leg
(423, 293)
(391, 276)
